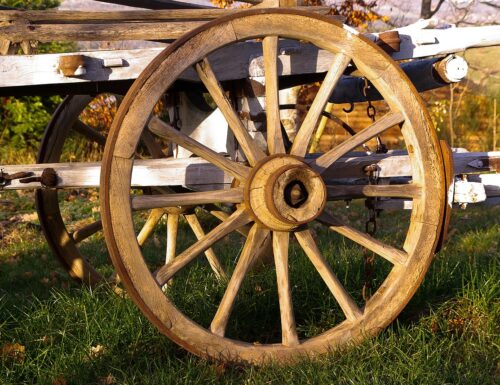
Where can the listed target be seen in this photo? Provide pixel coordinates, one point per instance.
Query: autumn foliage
(358, 13)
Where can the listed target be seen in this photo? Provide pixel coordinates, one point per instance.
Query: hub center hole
(295, 194)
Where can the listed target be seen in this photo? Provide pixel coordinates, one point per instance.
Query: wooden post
(450, 116)
(494, 124)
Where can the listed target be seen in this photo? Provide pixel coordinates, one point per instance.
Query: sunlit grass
(448, 334)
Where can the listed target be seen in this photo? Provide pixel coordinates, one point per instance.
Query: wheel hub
(283, 193)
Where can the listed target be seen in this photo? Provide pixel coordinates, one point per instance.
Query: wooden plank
(97, 32)
(390, 165)
(76, 17)
(146, 202)
(419, 42)
(17, 72)
(198, 172)
(140, 16)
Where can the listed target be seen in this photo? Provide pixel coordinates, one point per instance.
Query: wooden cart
(260, 180)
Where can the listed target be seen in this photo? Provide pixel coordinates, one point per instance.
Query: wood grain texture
(280, 247)
(256, 237)
(301, 141)
(214, 262)
(393, 255)
(172, 230)
(237, 219)
(147, 229)
(63, 16)
(247, 144)
(166, 131)
(89, 132)
(198, 172)
(98, 32)
(384, 123)
(274, 137)
(146, 202)
(345, 301)
(425, 165)
(86, 231)
(361, 191)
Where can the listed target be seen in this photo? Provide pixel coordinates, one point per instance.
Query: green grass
(448, 334)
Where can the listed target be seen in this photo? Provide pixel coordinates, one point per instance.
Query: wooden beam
(197, 172)
(96, 32)
(78, 17)
(418, 40)
(246, 61)
(52, 16)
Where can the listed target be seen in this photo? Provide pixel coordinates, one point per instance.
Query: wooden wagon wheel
(60, 239)
(65, 243)
(277, 193)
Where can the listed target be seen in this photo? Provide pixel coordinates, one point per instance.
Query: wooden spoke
(254, 241)
(328, 158)
(301, 142)
(168, 132)
(89, 132)
(148, 228)
(393, 255)
(172, 229)
(248, 145)
(214, 262)
(280, 248)
(349, 307)
(235, 221)
(362, 191)
(274, 136)
(154, 148)
(286, 203)
(146, 202)
(86, 231)
(222, 215)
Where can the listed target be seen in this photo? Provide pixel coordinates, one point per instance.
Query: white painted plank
(196, 171)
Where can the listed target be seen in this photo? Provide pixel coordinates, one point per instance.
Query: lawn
(53, 331)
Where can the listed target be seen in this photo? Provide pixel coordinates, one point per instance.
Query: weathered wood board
(196, 171)
(25, 73)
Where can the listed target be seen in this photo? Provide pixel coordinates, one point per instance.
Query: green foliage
(23, 120)
(472, 119)
(30, 4)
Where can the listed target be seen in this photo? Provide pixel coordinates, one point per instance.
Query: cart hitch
(48, 178)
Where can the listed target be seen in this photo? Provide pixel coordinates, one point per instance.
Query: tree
(23, 119)
(426, 11)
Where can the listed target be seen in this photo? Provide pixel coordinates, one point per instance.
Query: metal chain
(371, 230)
(371, 113)
(370, 203)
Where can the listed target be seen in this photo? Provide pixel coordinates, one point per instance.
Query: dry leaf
(96, 351)
(220, 369)
(12, 260)
(28, 217)
(59, 381)
(14, 351)
(156, 242)
(108, 380)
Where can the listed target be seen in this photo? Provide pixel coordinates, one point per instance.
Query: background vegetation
(53, 331)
